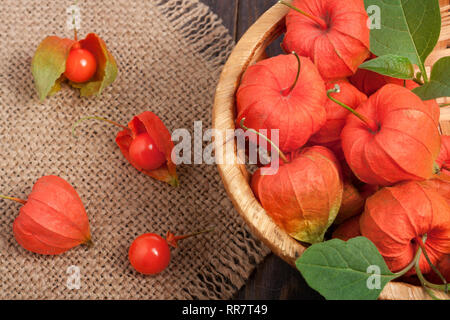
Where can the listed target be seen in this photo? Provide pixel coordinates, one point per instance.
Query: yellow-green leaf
(57, 85)
(49, 63)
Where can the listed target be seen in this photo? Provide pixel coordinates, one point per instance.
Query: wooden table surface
(274, 278)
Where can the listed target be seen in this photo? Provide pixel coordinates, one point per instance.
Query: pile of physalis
(362, 159)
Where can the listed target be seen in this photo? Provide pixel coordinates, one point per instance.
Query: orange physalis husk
(370, 82)
(148, 122)
(402, 142)
(348, 229)
(53, 219)
(106, 66)
(330, 133)
(304, 196)
(266, 100)
(339, 45)
(396, 217)
(352, 203)
(440, 183)
(443, 159)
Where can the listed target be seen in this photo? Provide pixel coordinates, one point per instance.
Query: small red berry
(149, 254)
(145, 154)
(80, 65)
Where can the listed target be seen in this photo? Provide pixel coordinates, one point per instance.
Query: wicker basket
(251, 48)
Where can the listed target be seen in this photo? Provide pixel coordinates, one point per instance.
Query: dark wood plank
(239, 15)
(273, 279)
(227, 10)
(249, 11)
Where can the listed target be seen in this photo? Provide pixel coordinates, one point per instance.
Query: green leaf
(409, 28)
(439, 85)
(49, 63)
(341, 270)
(390, 65)
(56, 86)
(106, 67)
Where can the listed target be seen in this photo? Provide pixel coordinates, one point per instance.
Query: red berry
(145, 154)
(80, 65)
(149, 254)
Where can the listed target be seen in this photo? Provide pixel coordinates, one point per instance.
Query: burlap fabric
(170, 55)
